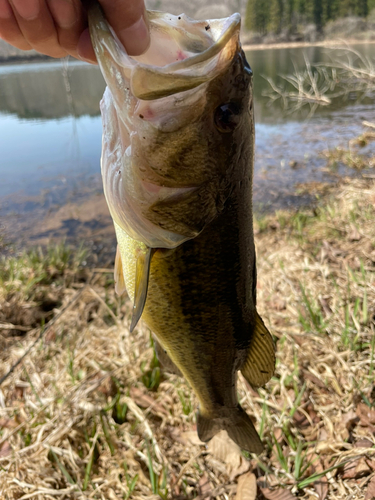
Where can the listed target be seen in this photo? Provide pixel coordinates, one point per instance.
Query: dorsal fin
(260, 362)
(142, 272)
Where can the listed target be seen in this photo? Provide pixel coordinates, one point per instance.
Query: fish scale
(183, 208)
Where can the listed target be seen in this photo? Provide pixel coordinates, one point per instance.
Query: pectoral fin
(142, 273)
(119, 274)
(260, 362)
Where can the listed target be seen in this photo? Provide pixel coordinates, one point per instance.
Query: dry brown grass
(88, 415)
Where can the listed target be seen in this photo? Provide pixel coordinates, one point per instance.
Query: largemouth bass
(177, 159)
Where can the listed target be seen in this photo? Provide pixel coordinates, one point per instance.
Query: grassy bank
(88, 413)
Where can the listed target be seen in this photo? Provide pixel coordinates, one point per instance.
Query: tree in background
(257, 15)
(331, 10)
(276, 16)
(362, 8)
(265, 16)
(291, 17)
(348, 8)
(318, 15)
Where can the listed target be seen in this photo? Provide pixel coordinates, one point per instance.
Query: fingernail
(28, 9)
(136, 38)
(63, 12)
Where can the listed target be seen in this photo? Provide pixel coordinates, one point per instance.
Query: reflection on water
(37, 153)
(58, 89)
(49, 124)
(50, 132)
(47, 90)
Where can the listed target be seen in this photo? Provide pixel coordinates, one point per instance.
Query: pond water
(50, 131)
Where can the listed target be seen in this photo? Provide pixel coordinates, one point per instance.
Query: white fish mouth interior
(169, 46)
(182, 55)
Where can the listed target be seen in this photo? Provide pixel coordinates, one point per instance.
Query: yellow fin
(119, 274)
(142, 272)
(260, 362)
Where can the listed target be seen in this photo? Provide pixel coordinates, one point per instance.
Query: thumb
(128, 18)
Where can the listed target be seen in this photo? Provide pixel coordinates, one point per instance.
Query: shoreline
(294, 45)
(338, 42)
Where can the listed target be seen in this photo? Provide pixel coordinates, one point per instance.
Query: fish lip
(149, 81)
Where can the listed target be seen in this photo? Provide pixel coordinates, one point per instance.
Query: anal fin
(259, 365)
(142, 272)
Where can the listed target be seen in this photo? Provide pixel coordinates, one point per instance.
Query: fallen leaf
(366, 416)
(300, 420)
(356, 469)
(276, 493)
(370, 492)
(325, 305)
(316, 467)
(107, 387)
(354, 234)
(239, 471)
(205, 490)
(348, 421)
(314, 379)
(278, 303)
(224, 449)
(188, 437)
(8, 423)
(247, 487)
(5, 449)
(363, 443)
(146, 401)
(278, 434)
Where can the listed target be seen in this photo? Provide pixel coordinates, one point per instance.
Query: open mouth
(182, 55)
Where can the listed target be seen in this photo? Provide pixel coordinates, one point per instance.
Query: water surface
(50, 131)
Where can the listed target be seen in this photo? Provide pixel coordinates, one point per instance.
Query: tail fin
(238, 425)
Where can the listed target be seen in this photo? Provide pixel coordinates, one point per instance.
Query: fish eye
(227, 117)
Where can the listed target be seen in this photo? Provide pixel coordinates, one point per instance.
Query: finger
(37, 26)
(85, 49)
(9, 30)
(129, 20)
(69, 22)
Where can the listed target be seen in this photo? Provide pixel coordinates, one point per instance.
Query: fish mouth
(149, 96)
(182, 55)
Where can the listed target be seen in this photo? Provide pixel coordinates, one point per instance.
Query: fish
(177, 168)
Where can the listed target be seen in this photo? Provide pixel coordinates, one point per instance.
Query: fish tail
(242, 431)
(238, 425)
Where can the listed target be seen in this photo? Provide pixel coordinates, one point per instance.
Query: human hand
(58, 28)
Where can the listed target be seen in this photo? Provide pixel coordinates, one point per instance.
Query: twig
(10, 326)
(110, 312)
(43, 331)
